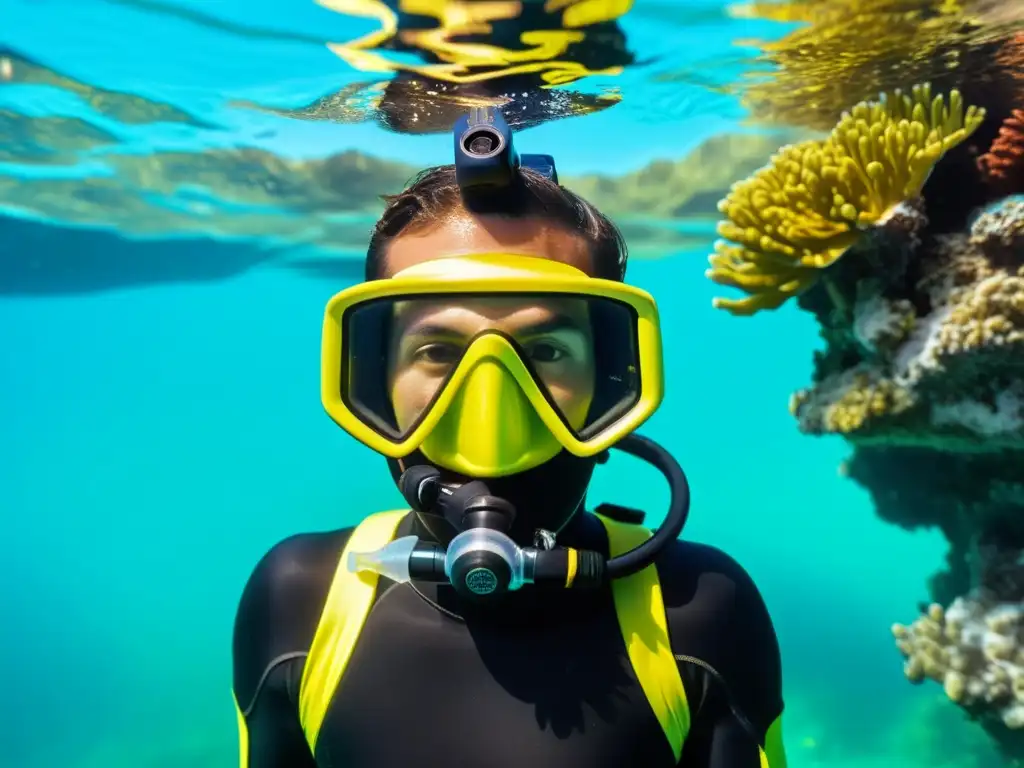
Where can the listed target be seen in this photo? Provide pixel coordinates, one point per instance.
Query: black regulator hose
(424, 492)
(640, 557)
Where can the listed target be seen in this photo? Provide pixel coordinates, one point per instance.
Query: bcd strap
(641, 612)
(348, 603)
(638, 605)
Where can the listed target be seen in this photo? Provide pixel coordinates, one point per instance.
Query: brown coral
(865, 401)
(990, 313)
(850, 402)
(974, 650)
(1003, 165)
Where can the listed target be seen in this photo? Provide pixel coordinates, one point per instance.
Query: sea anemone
(803, 211)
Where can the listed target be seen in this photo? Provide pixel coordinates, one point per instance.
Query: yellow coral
(803, 211)
(864, 402)
(990, 313)
(850, 402)
(972, 649)
(848, 50)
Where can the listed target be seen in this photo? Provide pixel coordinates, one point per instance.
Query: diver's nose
(490, 429)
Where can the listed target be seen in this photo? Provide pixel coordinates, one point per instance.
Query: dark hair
(433, 193)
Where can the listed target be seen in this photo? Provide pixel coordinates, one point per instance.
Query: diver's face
(429, 337)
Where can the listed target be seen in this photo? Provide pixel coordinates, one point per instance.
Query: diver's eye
(438, 353)
(545, 352)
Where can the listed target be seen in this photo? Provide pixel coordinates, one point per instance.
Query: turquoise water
(160, 432)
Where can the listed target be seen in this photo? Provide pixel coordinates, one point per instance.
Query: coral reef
(1003, 165)
(974, 650)
(923, 374)
(975, 647)
(846, 51)
(924, 354)
(798, 215)
(921, 314)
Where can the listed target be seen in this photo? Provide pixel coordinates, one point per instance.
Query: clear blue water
(157, 438)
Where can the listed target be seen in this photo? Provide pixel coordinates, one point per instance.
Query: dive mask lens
(577, 353)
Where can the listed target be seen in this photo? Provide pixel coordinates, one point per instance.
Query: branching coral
(974, 650)
(847, 50)
(852, 402)
(1003, 165)
(801, 213)
(990, 313)
(998, 232)
(976, 282)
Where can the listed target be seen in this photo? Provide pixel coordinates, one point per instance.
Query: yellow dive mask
(491, 364)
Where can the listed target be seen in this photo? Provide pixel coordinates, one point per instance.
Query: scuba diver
(494, 356)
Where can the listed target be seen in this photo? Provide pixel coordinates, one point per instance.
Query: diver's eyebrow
(552, 325)
(430, 329)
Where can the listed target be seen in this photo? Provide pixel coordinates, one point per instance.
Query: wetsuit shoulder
(281, 606)
(716, 615)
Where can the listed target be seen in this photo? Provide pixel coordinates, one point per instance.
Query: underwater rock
(47, 140)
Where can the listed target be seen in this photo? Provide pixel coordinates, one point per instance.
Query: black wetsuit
(543, 682)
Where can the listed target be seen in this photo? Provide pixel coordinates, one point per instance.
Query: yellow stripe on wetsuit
(638, 604)
(348, 604)
(641, 612)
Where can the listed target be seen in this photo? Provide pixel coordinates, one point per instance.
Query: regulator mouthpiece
(482, 560)
(390, 561)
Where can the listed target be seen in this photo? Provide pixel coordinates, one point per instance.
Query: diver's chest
(423, 689)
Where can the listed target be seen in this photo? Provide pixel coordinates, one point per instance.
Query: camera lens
(482, 142)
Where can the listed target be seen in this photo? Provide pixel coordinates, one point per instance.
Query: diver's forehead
(463, 234)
